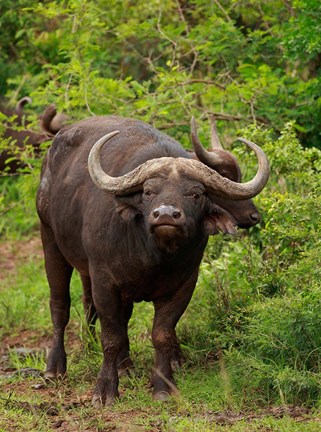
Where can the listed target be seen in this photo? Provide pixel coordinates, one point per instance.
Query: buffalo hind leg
(58, 274)
(167, 349)
(89, 307)
(113, 337)
(124, 362)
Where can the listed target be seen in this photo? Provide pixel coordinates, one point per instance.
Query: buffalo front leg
(58, 274)
(167, 350)
(113, 338)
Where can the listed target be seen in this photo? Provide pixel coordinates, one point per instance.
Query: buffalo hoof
(97, 402)
(161, 396)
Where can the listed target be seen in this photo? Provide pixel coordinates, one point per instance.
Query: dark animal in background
(222, 161)
(18, 133)
(52, 121)
(18, 111)
(131, 210)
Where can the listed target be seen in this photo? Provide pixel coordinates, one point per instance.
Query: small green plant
(27, 359)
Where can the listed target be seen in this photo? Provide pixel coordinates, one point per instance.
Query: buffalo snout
(249, 218)
(255, 217)
(167, 224)
(167, 215)
(166, 212)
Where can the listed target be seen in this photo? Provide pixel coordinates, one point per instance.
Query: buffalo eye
(195, 195)
(148, 193)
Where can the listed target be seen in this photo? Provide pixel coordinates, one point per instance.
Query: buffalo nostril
(255, 217)
(166, 213)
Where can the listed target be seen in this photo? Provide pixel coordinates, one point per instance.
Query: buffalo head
(179, 197)
(244, 212)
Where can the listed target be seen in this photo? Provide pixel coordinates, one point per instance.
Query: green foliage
(166, 61)
(17, 204)
(265, 304)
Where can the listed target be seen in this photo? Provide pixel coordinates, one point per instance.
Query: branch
(173, 125)
(229, 117)
(289, 7)
(203, 81)
(223, 10)
(193, 49)
(165, 36)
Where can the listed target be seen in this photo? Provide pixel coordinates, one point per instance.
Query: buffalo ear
(219, 220)
(128, 206)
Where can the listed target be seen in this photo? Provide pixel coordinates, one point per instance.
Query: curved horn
(21, 103)
(128, 183)
(226, 188)
(214, 182)
(211, 159)
(215, 140)
(58, 122)
(51, 121)
(46, 118)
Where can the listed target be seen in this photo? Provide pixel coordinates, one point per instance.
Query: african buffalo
(19, 135)
(244, 212)
(131, 210)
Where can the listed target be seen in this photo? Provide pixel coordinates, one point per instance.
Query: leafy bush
(163, 62)
(263, 290)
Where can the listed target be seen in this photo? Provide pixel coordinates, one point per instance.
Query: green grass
(231, 392)
(17, 205)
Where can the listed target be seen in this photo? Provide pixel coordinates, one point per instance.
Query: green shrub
(263, 290)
